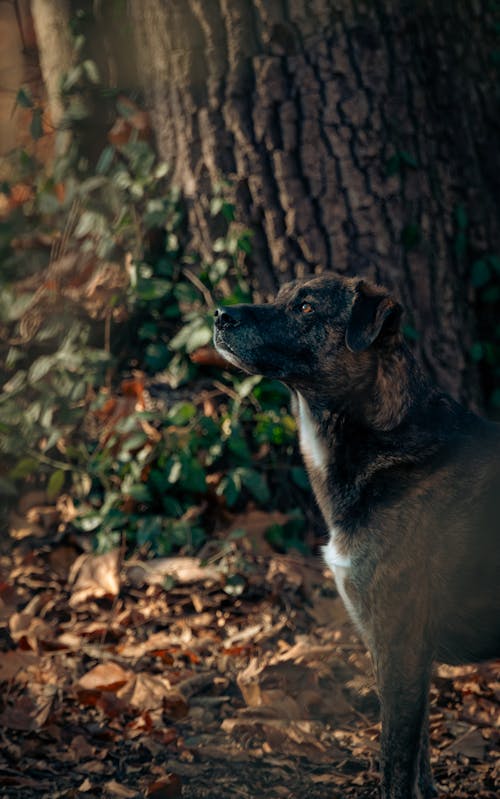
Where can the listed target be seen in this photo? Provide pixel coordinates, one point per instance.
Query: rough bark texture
(354, 132)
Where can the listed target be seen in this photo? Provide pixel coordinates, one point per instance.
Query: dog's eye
(306, 307)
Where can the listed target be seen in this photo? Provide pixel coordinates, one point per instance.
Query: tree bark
(360, 137)
(51, 21)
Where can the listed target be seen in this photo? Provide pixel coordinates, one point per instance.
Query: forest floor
(172, 679)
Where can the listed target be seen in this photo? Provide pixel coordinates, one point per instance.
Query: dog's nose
(224, 318)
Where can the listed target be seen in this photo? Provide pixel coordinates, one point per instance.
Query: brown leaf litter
(118, 683)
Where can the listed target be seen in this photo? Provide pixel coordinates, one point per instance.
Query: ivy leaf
(105, 160)
(461, 217)
(477, 351)
(181, 413)
(55, 484)
(480, 273)
(408, 159)
(139, 492)
(40, 368)
(229, 488)
(23, 468)
(256, 483)
(299, 477)
(36, 127)
(24, 99)
(91, 71)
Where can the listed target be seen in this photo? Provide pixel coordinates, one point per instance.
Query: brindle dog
(408, 482)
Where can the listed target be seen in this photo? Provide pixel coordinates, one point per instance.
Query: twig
(200, 286)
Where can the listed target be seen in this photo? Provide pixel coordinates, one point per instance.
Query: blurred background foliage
(112, 401)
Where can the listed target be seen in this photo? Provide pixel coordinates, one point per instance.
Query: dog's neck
(396, 386)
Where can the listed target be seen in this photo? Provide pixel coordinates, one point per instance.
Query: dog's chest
(315, 454)
(312, 447)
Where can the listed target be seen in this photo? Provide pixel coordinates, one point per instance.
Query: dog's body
(408, 483)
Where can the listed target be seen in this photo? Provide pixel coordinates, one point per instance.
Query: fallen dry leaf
(107, 676)
(168, 787)
(291, 691)
(184, 570)
(95, 576)
(114, 788)
(471, 744)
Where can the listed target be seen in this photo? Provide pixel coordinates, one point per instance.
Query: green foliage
(484, 276)
(157, 479)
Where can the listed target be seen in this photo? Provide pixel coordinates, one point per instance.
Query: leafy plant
(70, 417)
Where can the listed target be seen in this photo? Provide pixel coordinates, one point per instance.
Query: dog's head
(325, 332)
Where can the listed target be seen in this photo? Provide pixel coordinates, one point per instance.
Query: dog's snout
(225, 318)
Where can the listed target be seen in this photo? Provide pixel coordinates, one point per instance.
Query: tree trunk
(51, 21)
(360, 137)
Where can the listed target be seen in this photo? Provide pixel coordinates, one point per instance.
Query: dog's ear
(373, 313)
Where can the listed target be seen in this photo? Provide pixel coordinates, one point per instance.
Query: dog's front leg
(425, 778)
(403, 683)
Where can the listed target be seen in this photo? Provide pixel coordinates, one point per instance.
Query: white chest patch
(340, 565)
(332, 555)
(312, 448)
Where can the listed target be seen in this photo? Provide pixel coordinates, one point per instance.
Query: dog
(408, 482)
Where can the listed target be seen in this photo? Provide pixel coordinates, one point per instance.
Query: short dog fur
(408, 482)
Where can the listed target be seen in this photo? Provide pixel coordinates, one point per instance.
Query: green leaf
(275, 535)
(477, 351)
(247, 385)
(408, 159)
(193, 335)
(105, 160)
(23, 468)
(194, 479)
(244, 242)
(88, 522)
(175, 472)
(256, 483)
(491, 294)
(24, 98)
(152, 288)
(480, 273)
(300, 478)
(16, 383)
(461, 217)
(55, 484)
(41, 367)
(410, 333)
(91, 184)
(125, 110)
(36, 127)
(87, 224)
(228, 212)
(148, 529)
(235, 585)
(134, 442)
(238, 446)
(139, 492)
(229, 488)
(7, 489)
(460, 244)
(71, 78)
(157, 356)
(181, 413)
(216, 205)
(494, 260)
(91, 71)
(495, 398)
